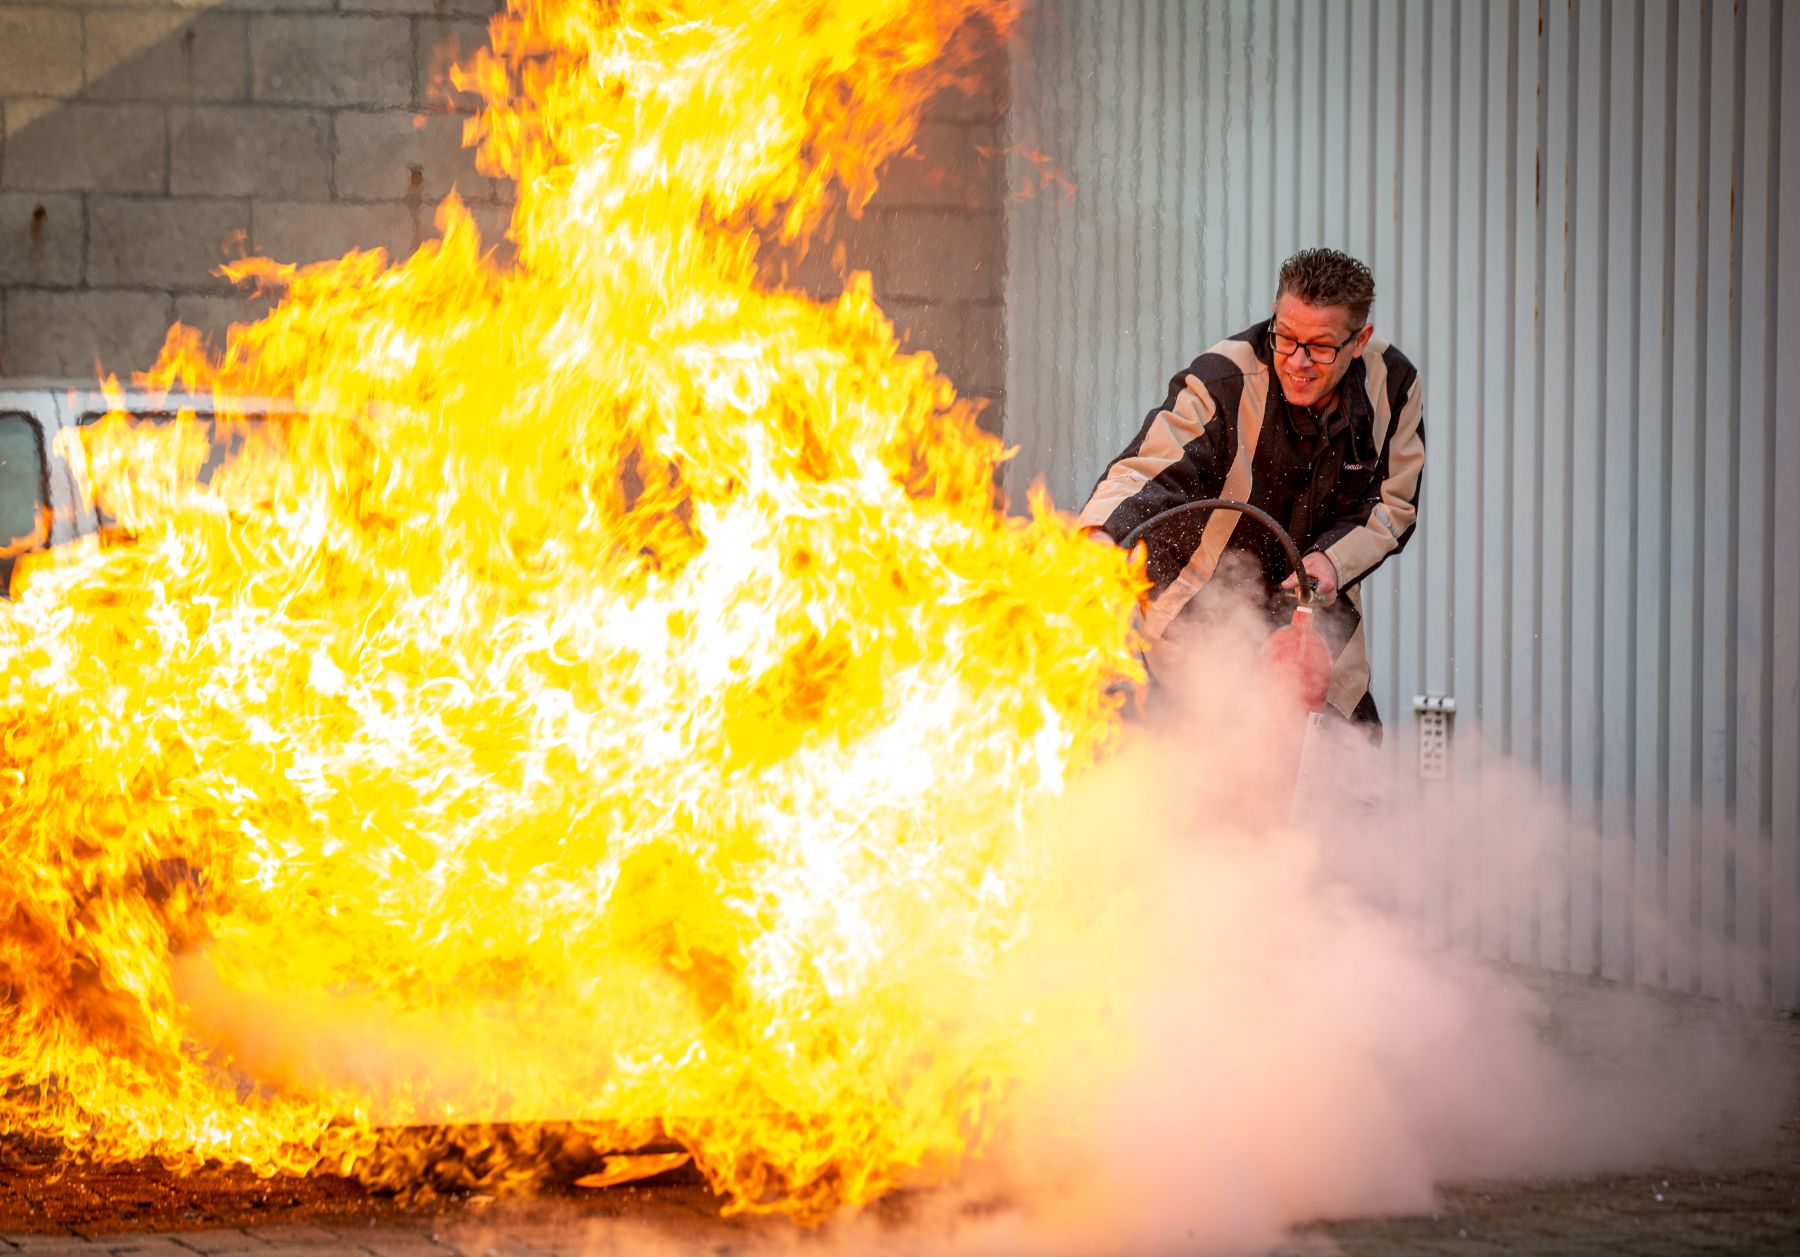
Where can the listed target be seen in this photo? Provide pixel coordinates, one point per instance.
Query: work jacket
(1346, 484)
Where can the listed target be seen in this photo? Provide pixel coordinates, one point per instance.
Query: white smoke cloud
(1299, 1050)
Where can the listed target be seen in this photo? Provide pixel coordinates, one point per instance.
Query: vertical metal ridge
(1696, 771)
(1784, 875)
(1632, 878)
(1453, 180)
(1484, 409)
(1733, 637)
(1086, 329)
(1157, 53)
(1511, 385)
(1602, 735)
(1771, 436)
(1666, 489)
(1563, 607)
(1485, 423)
(1540, 294)
(1509, 410)
(1398, 263)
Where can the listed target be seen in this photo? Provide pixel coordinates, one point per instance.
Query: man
(1307, 415)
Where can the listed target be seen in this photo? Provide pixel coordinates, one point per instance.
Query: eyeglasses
(1323, 355)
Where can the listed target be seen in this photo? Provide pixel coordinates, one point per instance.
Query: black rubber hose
(1261, 516)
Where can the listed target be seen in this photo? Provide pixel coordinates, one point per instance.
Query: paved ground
(1749, 1211)
(1745, 1204)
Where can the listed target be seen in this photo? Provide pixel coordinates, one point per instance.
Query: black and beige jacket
(1346, 485)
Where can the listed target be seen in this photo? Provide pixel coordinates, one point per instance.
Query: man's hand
(1324, 575)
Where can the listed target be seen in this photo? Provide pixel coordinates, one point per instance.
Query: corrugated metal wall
(1574, 212)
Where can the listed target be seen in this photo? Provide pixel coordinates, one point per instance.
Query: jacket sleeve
(1370, 528)
(1181, 454)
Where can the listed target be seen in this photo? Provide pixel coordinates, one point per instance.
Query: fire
(611, 704)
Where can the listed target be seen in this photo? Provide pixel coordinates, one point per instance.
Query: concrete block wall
(145, 142)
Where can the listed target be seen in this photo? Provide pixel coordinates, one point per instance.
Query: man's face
(1306, 382)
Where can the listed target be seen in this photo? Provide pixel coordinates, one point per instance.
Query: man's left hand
(1324, 574)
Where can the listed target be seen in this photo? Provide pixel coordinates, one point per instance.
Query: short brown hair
(1326, 277)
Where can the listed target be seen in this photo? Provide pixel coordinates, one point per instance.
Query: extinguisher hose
(1306, 592)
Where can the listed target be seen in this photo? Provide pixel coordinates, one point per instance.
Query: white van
(36, 482)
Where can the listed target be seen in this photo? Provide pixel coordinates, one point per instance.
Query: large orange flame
(613, 700)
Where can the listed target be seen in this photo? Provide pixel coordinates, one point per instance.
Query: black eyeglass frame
(1312, 351)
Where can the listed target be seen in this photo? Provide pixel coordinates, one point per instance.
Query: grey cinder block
(984, 349)
(949, 165)
(40, 51)
(212, 316)
(934, 327)
(454, 8)
(980, 93)
(400, 154)
(441, 44)
(244, 150)
(40, 239)
(148, 243)
(166, 54)
(936, 255)
(78, 146)
(312, 232)
(331, 60)
(63, 333)
(493, 222)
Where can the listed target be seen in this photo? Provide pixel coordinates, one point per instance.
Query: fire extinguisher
(1294, 655)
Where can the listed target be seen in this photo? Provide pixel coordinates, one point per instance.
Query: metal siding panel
(1654, 474)
(1463, 598)
(1755, 499)
(1067, 220)
(1784, 737)
(1210, 304)
(1089, 347)
(1235, 185)
(1552, 594)
(1025, 263)
(1499, 197)
(1717, 523)
(1380, 602)
(1412, 78)
(1030, 268)
(1618, 722)
(1332, 122)
(1587, 475)
(1685, 589)
(1363, 86)
(1596, 574)
(1112, 211)
(1522, 736)
(1428, 596)
(1259, 99)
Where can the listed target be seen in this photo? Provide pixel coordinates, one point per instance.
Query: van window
(24, 478)
(24, 489)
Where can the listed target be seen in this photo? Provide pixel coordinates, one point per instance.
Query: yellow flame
(613, 704)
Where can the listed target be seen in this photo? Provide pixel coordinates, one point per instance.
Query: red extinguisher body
(1299, 661)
